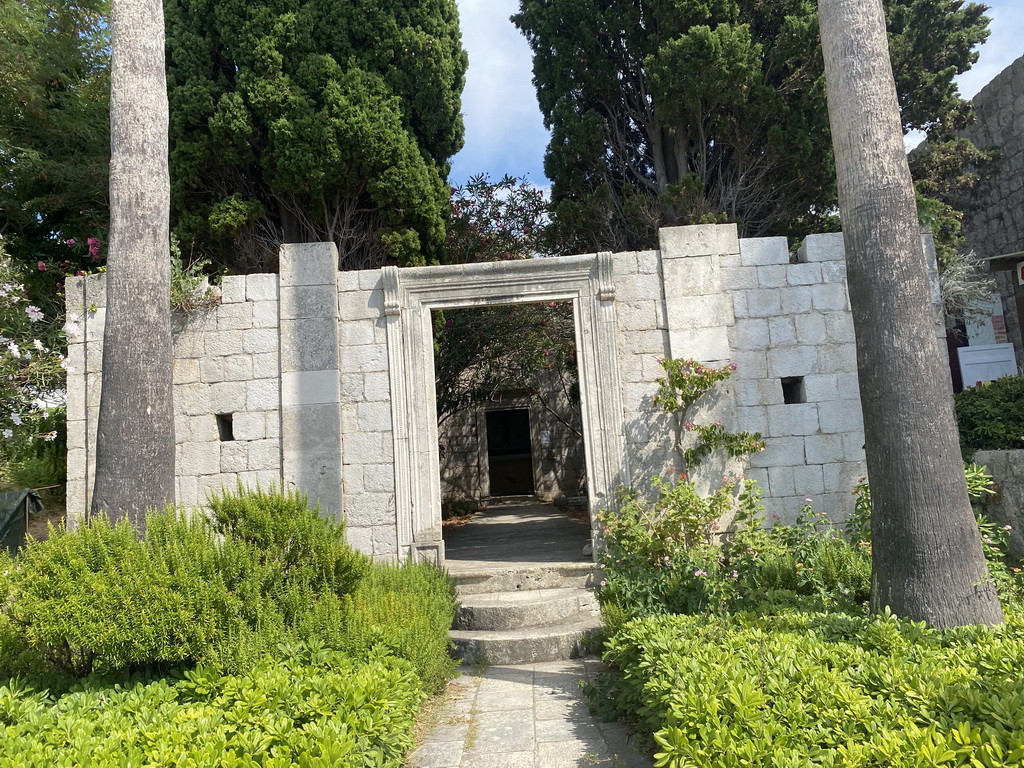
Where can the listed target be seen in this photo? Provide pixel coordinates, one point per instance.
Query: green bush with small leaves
(311, 708)
(803, 690)
(990, 417)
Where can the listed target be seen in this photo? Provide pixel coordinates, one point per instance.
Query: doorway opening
(509, 452)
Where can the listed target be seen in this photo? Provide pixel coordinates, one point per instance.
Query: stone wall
(998, 225)
(322, 381)
(1006, 507)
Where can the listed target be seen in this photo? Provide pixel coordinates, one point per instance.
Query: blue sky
(504, 130)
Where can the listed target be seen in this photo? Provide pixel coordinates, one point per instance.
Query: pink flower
(70, 242)
(734, 367)
(700, 573)
(41, 266)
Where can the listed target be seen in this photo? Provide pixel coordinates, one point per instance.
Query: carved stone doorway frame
(412, 294)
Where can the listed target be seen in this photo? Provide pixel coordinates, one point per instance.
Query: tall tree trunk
(135, 441)
(928, 561)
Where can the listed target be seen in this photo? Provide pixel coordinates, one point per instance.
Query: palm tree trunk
(928, 561)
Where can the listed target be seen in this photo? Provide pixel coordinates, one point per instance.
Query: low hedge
(801, 690)
(313, 708)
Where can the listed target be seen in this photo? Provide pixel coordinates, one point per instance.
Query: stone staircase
(525, 615)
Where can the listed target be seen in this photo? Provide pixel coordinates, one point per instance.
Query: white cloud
(504, 129)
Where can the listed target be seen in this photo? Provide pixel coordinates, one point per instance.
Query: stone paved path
(532, 716)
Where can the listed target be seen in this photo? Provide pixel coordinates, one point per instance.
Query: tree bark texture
(135, 441)
(928, 562)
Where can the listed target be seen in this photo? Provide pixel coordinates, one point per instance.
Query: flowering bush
(31, 363)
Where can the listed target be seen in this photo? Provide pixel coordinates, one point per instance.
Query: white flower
(38, 344)
(16, 419)
(8, 434)
(50, 436)
(72, 329)
(34, 313)
(13, 348)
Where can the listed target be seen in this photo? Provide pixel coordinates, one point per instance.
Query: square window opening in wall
(793, 390)
(225, 427)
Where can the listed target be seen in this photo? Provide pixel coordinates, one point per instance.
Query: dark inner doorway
(510, 452)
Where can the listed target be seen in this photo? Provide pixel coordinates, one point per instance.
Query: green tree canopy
(689, 111)
(313, 121)
(54, 81)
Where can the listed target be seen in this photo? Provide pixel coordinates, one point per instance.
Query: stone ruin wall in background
(303, 363)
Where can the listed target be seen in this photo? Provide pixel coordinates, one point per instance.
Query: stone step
(524, 646)
(501, 611)
(571, 575)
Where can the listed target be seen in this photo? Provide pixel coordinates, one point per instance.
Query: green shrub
(819, 690)
(313, 708)
(990, 417)
(408, 610)
(100, 598)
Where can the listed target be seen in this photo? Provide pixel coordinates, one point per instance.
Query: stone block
(697, 240)
(192, 399)
(837, 358)
(379, 478)
(705, 344)
(198, 459)
(771, 276)
(265, 314)
(763, 302)
(369, 510)
(266, 365)
(792, 361)
(636, 316)
(833, 272)
(752, 418)
(840, 416)
(261, 288)
(780, 452)
(362, 448)
(185, 372)
(310, 387)
(369, 358)
(309, 301)
(259, 341)
(249, 426)
(757, 392)
(807, 480)
(699, 312)
(853, 446)
(751, 365)
(635, 287)
(232, 289)
(351, 387)
(187, 492)
(823, 247)
(839, 327)
(792, 419)
(263, 454)
(273, 424)
(95, 323)
(653, 343)
(182, 429)
(237, 368)
(359, 305)
(211, 370)
(369, 279)
(810, 328)
(308, 264)
(95, 291)
(212, 485)
(821, 387)
(234, 456)
(385, 542)
(739, 305)
(93, 389)
(376, 386)
(738, 278)
(695, 276)
(796, 300)
(228, 397)
(781, 331)
(780, 481)
(355, 334)
(261, 478)
(374, 417)
(360, 539)
(849, 386)
(803, 274)
(760, 251)
(76, 462)
(760, 477)
(222, 343)
(824, 449)
(234, 317)
(188, 344)
(648, 262)
(309, 345)
(263, 395)
(842, 477)
(749, 334)
(203, 428)
(829, 297)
